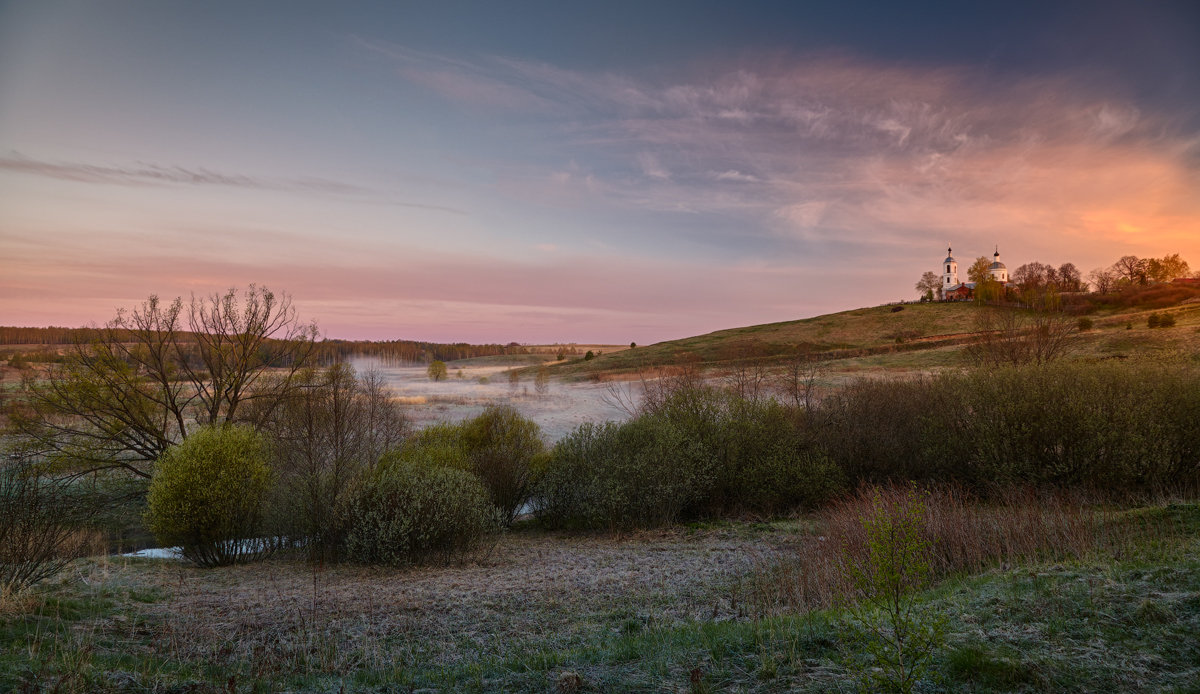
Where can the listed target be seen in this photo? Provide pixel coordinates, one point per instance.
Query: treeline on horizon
(326, 352)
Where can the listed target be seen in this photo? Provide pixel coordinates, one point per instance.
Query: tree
(1103, 280)
(1031, 277)
(127, 392)
(980, 270)
(929, 285)
(541, 380)
(895, 561)
(326, 437)
(1010, 336)
(1167, 268)
(501, 446)
(1131, 269)
(589, 356)
(436, 370)
(40, 520)
(798, 380)
(1069, 279)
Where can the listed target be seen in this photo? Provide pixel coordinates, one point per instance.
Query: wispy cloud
(833, 147)
(147, 174)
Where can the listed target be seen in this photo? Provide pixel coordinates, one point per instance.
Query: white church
(954, 290)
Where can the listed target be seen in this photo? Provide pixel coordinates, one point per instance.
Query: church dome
(998, 266)
(949, 257)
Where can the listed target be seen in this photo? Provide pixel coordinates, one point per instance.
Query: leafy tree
(589, 356)
(501, 446)
(437, 370)
(980, 270)
(1167, 268)
(929, 284)
(127, 392)
(632, 345)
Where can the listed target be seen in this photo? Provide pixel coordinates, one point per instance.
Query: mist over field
(464, 394)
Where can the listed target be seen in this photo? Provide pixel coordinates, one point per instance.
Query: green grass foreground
(1126, 618)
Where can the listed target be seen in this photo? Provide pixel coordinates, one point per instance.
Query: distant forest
(327, 351)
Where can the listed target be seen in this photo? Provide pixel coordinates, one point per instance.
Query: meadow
(1041, 528)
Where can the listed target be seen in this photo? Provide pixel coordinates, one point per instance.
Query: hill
(906, 337)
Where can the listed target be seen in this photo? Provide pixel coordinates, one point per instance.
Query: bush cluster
(499, 447)
(226, 494)
(1101, 426)
(701, 452)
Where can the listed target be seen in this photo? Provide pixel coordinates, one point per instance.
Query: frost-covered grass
(651, 612)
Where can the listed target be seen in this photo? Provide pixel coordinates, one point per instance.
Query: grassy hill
(904, 337)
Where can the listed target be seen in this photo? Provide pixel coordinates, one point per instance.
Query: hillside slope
(894, 337)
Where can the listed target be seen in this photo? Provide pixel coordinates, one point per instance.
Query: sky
(579, 171)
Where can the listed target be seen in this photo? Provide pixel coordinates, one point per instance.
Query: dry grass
(284, 616)
(966, 534)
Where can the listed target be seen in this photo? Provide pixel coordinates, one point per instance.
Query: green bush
(406, 513)
(209, 496)
(642, 473)
(766, 464)
(499, 447)
(1102, 426)
(437, 445)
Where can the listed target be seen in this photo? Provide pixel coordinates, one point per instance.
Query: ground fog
(468, 389)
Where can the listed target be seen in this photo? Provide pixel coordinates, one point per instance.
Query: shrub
(1067, 425)
(894, 561)
(209, 493)
(1085, 324)
(406, 513)
(1153, 321)
(765, 464)
(642, 473)
(501, 446)
(437, 445)
(41, 526)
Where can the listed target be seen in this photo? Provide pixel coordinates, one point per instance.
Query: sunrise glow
(490, 172)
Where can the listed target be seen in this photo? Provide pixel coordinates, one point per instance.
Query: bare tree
(327, 433)
(41, 518)
(541, 380)
(127, 392)
(747, 375)
(1010, 336)
(798, 379)
(1131, 269)
(1103, 280)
